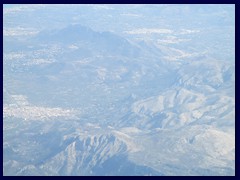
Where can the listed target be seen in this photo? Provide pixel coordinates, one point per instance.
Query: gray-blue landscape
(117, 90)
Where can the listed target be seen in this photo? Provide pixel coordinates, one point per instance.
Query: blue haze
(119, 90)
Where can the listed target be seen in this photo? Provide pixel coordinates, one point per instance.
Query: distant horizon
(10, 5)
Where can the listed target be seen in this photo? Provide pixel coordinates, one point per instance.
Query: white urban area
(22, 109)
(119, 90)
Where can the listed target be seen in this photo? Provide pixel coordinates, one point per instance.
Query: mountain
(99, 42)
(101, 90)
